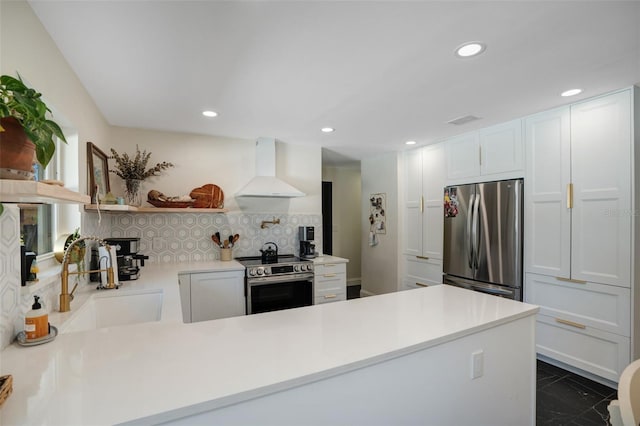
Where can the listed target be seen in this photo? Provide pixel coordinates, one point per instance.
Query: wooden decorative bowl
(171, 204)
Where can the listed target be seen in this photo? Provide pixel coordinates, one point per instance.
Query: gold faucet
(65, 296)
(273, 222)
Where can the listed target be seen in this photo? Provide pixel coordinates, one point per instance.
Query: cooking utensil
(236, 237)
(216, 240)
(230, 240)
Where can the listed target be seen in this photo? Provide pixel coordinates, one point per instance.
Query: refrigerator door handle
(469, 239)
(474, 232)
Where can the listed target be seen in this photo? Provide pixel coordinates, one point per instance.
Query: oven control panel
(266, 270)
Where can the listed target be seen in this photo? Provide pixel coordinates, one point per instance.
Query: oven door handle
(253, 281)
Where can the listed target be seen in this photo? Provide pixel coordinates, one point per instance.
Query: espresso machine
(307, 247)
(128, 259)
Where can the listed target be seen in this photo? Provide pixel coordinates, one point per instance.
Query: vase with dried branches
(133, 170)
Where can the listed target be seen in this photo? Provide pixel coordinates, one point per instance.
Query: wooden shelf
(117, 208)
(31, 191)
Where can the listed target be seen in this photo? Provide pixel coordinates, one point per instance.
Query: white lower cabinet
(330, 282)
(421, 272)
(586, 325)
(212, 295)
(598, 352)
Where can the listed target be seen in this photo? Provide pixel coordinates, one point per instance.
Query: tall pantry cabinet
(580, 219)
(424, 174)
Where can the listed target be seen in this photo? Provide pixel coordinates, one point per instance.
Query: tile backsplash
(186, 237)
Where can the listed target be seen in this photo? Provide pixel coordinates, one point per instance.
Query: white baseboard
(365, 293)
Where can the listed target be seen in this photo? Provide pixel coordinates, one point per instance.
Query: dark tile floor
(564, 398)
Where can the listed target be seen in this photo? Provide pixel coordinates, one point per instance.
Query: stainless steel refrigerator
(483, 237)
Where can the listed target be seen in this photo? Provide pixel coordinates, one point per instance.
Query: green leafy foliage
(129, 168)
(25, 104)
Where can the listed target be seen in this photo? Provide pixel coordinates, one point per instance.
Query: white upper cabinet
(601, 161)
(463, 157)
(493, 153)
(578, 191)
(501, 149)
(548, 172)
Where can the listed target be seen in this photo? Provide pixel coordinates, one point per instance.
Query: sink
(115, 310)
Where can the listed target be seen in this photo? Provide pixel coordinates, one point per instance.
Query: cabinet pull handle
(569, 195)
(421, 204)
(571, 323)
(422, 285)
(571, 280)
(330, 296)
(422, 257)
(329, 275)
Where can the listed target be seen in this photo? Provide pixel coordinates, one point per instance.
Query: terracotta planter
(17, 152)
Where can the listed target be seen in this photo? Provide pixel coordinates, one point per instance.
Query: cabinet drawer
(428, 270)
(330, 282)
(329, 295)
(329, 268)
(604, 307)
(598, 352)
(409, 283)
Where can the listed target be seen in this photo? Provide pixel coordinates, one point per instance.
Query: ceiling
(379, 72)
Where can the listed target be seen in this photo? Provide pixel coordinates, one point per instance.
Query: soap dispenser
(36, 322)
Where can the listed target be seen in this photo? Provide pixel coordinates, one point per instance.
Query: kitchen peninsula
(400, 358)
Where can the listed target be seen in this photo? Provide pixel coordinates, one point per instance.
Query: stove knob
(309, 267)
(252, 272)
(296, 268)
(260, 270)
(267, 271)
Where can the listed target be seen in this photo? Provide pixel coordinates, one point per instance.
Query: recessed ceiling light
(469, 49)
(327, 129)
(571, 92)
(410, 142)
(209, 113)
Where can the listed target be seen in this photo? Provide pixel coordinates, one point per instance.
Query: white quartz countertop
(165, 370)
(326, 258)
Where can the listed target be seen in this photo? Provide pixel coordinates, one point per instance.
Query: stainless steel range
(283, 284)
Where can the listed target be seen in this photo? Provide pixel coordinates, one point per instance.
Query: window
(36, 228)
(38, 221)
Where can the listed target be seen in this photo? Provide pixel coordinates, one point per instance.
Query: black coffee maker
(128, 259)
(307, 247)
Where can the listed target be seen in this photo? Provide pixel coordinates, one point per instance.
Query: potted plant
(134, 170)
(25, 128)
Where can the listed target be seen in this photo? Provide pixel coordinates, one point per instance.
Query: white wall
(347, 218)
(226, 162)
(380, 262)
(27, 48)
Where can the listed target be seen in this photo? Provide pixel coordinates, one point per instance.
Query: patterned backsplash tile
(186, 237)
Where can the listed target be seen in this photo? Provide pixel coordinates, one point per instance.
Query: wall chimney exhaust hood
(265, 183)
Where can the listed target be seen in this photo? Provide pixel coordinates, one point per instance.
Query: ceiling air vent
(463, 120)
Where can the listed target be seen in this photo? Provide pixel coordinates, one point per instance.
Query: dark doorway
(327, 218)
